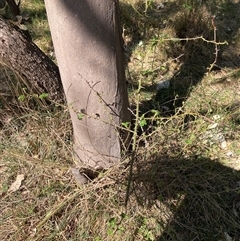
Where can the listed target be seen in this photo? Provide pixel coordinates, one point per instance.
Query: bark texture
(87, 41)
(21, 55)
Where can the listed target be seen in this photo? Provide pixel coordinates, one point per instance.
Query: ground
(182, 180)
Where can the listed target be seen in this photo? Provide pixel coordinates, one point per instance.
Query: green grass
(38, 26)
(184, 182)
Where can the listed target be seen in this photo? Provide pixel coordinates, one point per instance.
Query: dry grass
(185, 180)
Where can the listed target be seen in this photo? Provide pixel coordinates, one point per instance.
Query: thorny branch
(214, 41)
(216, 45)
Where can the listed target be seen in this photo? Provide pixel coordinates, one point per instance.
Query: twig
(195, 38)
(134, 142)
(216, 45)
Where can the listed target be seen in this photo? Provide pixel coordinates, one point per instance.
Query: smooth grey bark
(87, 42)
(21, 55)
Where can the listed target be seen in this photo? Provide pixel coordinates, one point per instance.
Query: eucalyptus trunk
(88, 46)
(36, 70)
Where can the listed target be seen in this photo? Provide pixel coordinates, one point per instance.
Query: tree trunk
(21, 55)
(87, 41)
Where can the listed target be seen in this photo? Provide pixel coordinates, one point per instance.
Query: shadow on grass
(197, 198)
(188, 21)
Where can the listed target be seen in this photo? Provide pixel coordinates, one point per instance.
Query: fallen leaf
(17, 184)
(80, 179)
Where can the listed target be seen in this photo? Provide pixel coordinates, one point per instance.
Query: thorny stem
(134, 142)
(215, 42)
(195, 38)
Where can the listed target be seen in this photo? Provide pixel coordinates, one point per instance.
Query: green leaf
(126, 124)
(80, 116)
(142, 122)
(155, 112)
(21, 97)
(43, 96)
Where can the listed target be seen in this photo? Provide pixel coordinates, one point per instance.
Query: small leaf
(23, 27)
(143, 122)
(43, 96)
(126, 124)
(155, 112)
(21, 97)
(80, 116)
